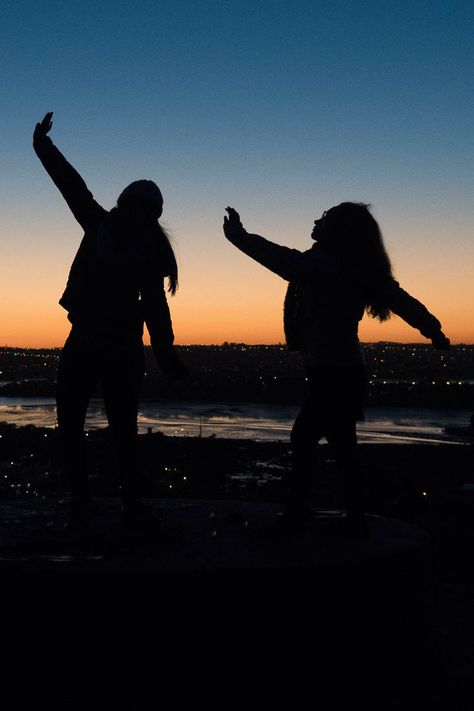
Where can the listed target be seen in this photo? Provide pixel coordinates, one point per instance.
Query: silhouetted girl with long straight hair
(115, 285)
(346, 272)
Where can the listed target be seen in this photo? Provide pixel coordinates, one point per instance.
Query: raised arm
(415, 314)
(66, 178)
(290, 264)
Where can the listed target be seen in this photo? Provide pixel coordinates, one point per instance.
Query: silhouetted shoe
(80, 515)
(294, 519)
(355, 526)
(139, 518)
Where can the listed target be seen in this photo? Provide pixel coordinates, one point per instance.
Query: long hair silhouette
(142, 202)
(351, 231)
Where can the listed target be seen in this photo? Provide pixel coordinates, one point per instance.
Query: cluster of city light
(415, 382)
(172, 470)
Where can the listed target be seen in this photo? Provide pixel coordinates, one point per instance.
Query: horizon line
(240, 343)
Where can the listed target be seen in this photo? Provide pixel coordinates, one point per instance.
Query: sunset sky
(280, 109)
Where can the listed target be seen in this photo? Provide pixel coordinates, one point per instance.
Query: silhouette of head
(139, 206)
(347, 222)
(351, 232)
(141, 202)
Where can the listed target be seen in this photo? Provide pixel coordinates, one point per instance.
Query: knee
(295, 437)
(124, 432)
(301, 436)
(70, 428)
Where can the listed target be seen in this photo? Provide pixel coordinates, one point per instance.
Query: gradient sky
(280, 109)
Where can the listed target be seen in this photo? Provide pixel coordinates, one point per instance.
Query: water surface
(247, 420)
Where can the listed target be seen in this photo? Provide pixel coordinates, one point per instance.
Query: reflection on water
(246, 420)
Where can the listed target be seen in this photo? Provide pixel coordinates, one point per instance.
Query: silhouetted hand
(169, 363)
(44, 127)
(178, 371)
(440, 342)
(232, 224)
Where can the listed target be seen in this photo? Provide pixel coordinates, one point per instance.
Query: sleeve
(157, 316)
(69, 183)
(411, 310)
(289, 264)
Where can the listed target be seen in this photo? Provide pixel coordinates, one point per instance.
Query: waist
(334, 355)
(104, 340)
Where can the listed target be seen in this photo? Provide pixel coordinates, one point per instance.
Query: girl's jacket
(115, 284)
(332, 301)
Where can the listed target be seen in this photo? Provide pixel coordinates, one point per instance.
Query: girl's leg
(305, 458)
(122, 376)
(76, 381)
(342, 439)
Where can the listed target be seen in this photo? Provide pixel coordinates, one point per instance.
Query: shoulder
(322, 263)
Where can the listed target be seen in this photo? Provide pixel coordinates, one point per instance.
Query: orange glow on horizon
(51, 330)
(225, 311)
(229, 298)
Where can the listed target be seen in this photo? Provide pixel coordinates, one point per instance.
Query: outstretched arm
(416, 315)
(290, 264)
(66, 178)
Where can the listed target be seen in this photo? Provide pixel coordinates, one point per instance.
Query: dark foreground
(220, 582)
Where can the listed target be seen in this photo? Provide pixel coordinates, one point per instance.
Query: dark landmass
(431, 486)
(399, 375)
(401, 479)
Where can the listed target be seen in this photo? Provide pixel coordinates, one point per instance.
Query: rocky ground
(213, 492)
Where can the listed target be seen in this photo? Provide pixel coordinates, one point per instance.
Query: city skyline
(397, 374)
(278, 111)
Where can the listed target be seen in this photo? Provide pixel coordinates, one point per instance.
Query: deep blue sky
(278, 108)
